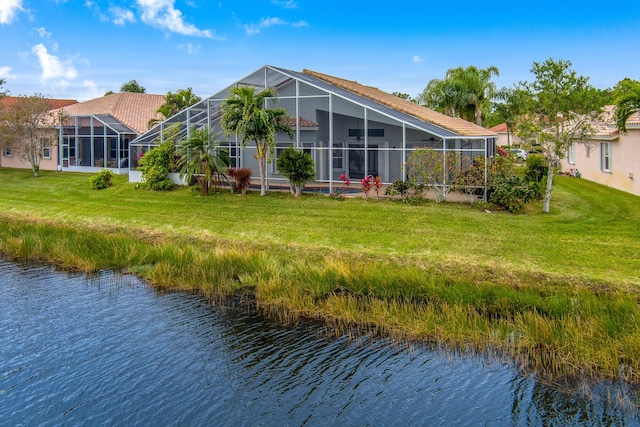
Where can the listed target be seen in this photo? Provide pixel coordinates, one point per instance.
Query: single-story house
(347, 127)
(506, 136)
(609, 157)
(96, 133)
(8, 157)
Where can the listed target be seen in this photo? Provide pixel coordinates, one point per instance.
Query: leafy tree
(428, 167)
(405, 96)
(3, 93)
(465, 92)
(174, 103)
(560, 108)
(298, 167)
(28, 127)
(627, 101)
(132, 86)
(245, 114)
(199, 156)
(109, 92)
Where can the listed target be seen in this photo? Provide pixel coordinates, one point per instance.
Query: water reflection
(107, 349)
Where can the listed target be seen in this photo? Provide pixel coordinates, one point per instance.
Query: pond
(109, 350)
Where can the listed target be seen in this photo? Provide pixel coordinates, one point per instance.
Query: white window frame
(571, 154)
(605, 156)
(46, 148)
(338, 153)
(8, 151)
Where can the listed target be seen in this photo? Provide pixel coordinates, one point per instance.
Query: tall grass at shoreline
(553, 321)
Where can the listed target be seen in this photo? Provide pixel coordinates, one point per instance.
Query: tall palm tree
(244, 113)
(199, 156)
(476, 88)
(627, 102)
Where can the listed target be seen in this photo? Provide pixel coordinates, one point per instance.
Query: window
(605, 156)
(338, 155)
(571, 154)
(8, 152)
(46, 148)
(359, 133)
(588, 151)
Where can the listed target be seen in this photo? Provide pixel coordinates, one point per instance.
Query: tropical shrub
(298, 167)
(155, 165)
(399, 187)
(507, 188)
(365, 185)
(199, 157)
(102, 179)
(241, 179)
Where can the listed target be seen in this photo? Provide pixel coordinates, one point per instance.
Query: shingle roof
(454, 124)
(8, 101)
(132, 109)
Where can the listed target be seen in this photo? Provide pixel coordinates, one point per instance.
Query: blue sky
(80, 49)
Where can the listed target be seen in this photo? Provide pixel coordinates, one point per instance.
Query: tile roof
(132, 109)
(454, 124)
(8, 101)
(304, 123)
(502, 127)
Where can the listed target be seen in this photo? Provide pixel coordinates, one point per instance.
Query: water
(109, 350)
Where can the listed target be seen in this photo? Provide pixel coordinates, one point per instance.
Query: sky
(79, 49)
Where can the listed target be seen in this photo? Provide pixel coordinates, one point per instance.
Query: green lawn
(565, 283)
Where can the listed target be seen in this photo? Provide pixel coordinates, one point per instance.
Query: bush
(536, 174)
(428, 167)
(507, 188)
(298, 167)
(101, 180)
(156, 165)
(241, 179)
(399, 187)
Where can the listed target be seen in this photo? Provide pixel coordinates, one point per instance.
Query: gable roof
(453, 124)
(502, 127)
(8, 101)
(132, 109)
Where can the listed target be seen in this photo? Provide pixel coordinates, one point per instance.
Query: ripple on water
(108, 350)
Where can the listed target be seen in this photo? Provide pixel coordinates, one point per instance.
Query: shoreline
(530, 326)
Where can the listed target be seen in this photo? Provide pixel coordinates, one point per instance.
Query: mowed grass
(558, 292)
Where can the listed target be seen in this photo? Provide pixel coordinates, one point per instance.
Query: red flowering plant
(347, 182)
(502, 152)
(365, 185)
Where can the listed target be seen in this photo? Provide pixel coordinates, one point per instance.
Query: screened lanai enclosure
(348, 128)
(95, 141)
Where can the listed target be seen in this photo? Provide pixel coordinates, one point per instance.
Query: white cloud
(92, 90)
(191, 48)
(287, 4)
(42, 32)
(265, 23)
(163, 14)
(121, 16)
(5, 73)
(417, 59)
(9, 9)
(52, 67)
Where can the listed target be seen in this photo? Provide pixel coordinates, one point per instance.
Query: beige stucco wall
(502, 139)
(624, 172)
(17, 163)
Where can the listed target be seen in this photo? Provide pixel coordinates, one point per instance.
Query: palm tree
(199, 155)
(174, 103)
(627, 102)
(476, 88)
(465, 92)
(244, 114)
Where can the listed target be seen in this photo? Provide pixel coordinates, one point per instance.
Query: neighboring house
(610, 157)
(8, 156)
(505, 138)
(347, 127)
(97, 133)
